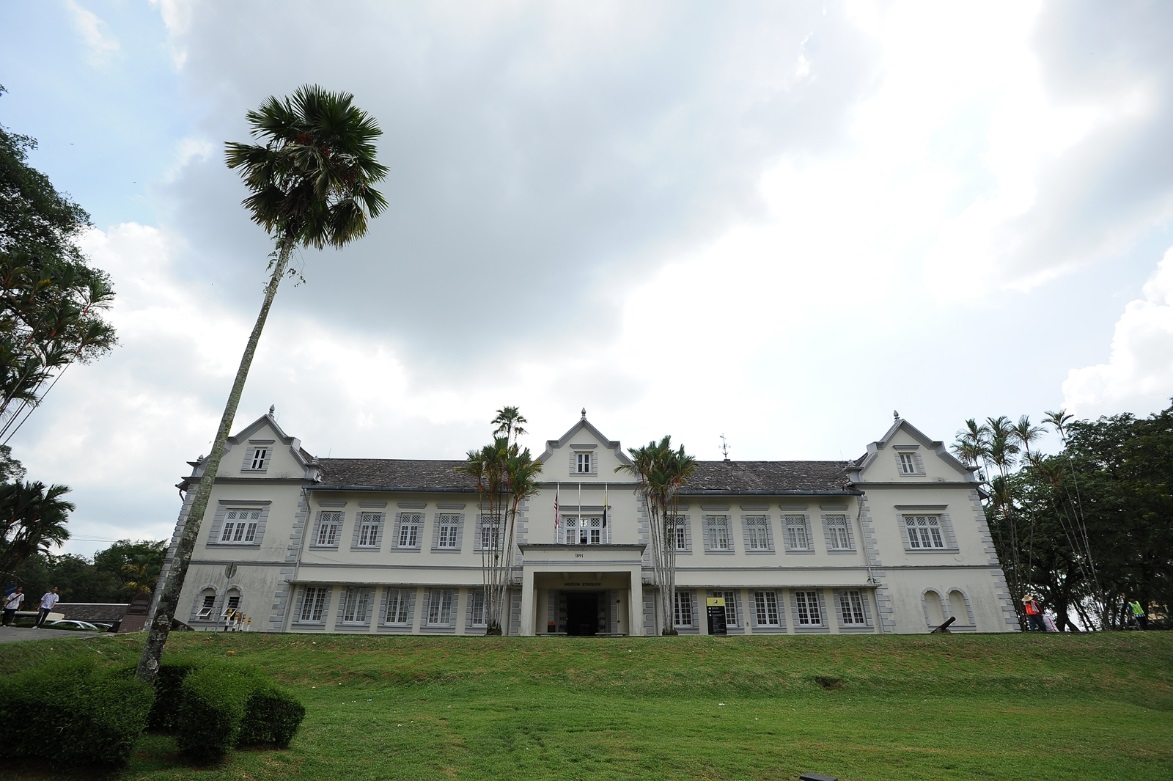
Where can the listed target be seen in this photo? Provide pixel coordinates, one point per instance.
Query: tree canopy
(1089, 528)
(52, 303)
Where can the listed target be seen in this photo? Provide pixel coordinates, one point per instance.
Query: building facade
(893, 542)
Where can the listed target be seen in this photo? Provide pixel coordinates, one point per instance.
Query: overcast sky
(775, 221)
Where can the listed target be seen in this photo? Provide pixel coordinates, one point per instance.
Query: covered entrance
(581, 590)
(585, 615)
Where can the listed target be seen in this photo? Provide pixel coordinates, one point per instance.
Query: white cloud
(102, 46)
(1138, 376)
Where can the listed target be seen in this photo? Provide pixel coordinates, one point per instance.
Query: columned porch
(582, 589)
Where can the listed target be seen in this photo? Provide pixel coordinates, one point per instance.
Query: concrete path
(17, 634)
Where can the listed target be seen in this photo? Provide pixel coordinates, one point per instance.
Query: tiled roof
(395, 473)
(768, 476)
(92, 611)
(710, 476)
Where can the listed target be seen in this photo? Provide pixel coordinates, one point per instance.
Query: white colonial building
(893, 542)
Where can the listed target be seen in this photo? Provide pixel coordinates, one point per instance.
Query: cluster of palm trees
(506, 476)
(661, 472)
(1000, 446)
(312, 184)
(32, 519)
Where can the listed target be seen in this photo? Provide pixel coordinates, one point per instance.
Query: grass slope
(856, 707)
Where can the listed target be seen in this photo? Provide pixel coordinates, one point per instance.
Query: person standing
(1034, 613)
(12, 604)
(1138, 614)
(48, 602)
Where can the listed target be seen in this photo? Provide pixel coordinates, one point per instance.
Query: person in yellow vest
(1138, 614)
(1034, 613)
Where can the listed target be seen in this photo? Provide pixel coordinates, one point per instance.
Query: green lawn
(856, 707)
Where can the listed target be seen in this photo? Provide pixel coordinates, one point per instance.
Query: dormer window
(582, 463)
(257, 455)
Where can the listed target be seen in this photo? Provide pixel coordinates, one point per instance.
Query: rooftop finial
(895, 415)
(584, 413)
(272, 408)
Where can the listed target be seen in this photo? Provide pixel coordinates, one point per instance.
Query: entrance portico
(562, 583)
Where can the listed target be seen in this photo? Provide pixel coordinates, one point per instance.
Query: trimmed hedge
(164, 715)
(224, 705)
(212, 708)
(272, 717)
(73, 715)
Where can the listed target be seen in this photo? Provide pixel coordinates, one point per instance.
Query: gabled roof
(393, 473)
(768, 477)
(900, 424)
(612, 444)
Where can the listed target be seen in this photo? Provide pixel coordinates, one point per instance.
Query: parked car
(71, 625)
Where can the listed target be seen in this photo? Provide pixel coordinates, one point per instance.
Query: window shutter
(459, 530)
(249, 453)
(822, 607)
(867, 611)
(435, 531)
(427, 607)
(947, 532)
(745, 524)
(920, 463)
(573, 463)
(217, 524)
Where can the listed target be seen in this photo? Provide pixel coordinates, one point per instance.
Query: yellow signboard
(715, 602)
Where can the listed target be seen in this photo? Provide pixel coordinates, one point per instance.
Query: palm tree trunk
(172, 580)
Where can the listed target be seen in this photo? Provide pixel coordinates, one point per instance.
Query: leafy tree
(134, 565)
(1098, 516)
(311, 181)
(661, 472)
(32, 518)
(52, 303)
(505, 476)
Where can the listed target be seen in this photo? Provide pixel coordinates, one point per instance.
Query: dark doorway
(582, 613)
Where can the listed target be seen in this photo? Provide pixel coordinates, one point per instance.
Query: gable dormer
(905, 455)
(260, 450)
(582, 454)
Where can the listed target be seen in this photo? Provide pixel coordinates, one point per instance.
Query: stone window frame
(448, 520)
(788, 522)
(352, 596)
(225, 506)
(760, 603)
(258, 454)
(762, 521)
(593, 460)
(845, 622)
(832, 520)
(909, 456)
(944, 525)
(321, 521)
(403, 598)
(316, 601)
(712, 524)
(368, 517)
(798, 604)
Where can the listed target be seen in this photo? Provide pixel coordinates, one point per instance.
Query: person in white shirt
(48, 602)
(12, 604)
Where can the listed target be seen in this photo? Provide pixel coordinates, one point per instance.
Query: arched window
(959, 609)
(933, 614)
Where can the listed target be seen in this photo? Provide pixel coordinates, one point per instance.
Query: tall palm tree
(32, 517)
(312, 181)
(1024, 433)
(661, 472)
(509, 421)
(505, 476)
